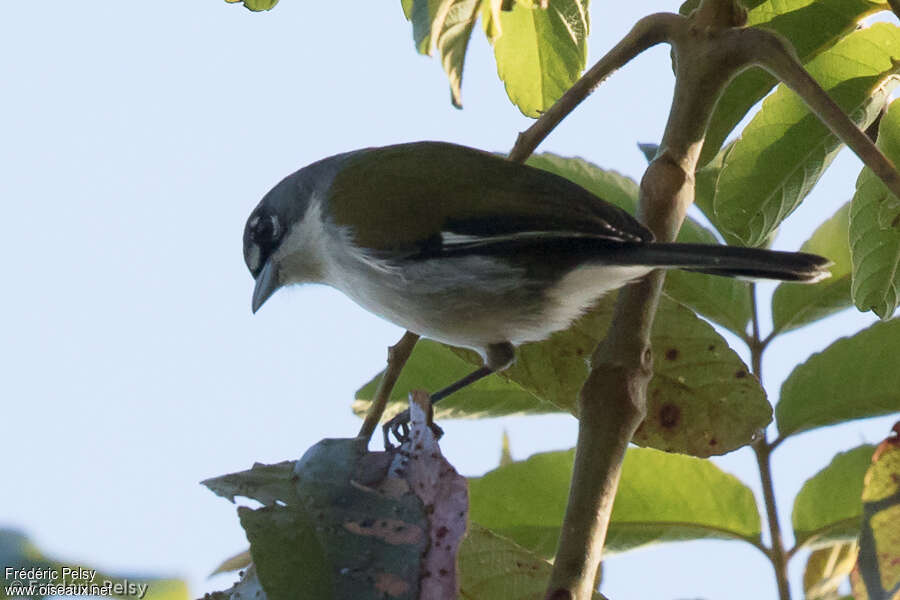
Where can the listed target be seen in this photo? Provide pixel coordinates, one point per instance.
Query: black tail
(733, 261)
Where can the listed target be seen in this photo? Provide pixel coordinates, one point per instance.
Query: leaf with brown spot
(325, 533)
(444, 491)
(669, 415)
(879, 541)
(548, 375)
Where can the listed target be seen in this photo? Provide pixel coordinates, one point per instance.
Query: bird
(467, 248)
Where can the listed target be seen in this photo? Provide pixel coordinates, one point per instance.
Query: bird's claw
(398, 427)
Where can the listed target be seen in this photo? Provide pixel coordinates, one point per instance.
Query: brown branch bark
(710, 48)
(612, 402)
(398, 354)
(647, 32)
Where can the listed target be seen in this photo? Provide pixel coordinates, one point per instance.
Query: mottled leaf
(879, 542)
(702, 399)
(343, 522)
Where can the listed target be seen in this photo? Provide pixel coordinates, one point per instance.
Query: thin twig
(776, 552)
(649, 31)
(776, 56)
(763, 451)
(398, 354)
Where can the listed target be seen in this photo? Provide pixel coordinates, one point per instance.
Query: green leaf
(879, 541)
(336, 519)
(662, 497)
(796, 305)
(854, 378)
(826, 569)
(833, 19)
(239, 561)
(263, 483)
(875, 230)
(828, 507)
(785, 148)
(492, 566)
(702, 399)
(256, 5)
(612, 186)
(407, 6)
(289, 560)
(725, 300)
(541, 52)
(433, 366)
(452, 33)
(705, 180)
(648, 150)
(490, 19)
(422, 15)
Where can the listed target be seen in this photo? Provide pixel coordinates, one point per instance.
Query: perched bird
(467, 248)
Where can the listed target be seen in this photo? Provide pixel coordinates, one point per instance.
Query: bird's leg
(399, 425)
(497, 357)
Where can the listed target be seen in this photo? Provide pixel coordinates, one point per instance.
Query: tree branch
(776, 56)
(398, 354)
(612, 403)
(763, 450)
(777, 555)
(649, 31)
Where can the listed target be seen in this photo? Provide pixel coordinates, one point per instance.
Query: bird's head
(272, 231)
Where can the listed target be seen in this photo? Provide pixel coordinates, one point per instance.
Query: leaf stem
(776, 553)
(775, 55)
(763, 451)
(649, 31)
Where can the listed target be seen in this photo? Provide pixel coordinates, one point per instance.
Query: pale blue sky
(135, 138)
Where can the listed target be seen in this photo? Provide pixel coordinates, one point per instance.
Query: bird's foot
(398, 428)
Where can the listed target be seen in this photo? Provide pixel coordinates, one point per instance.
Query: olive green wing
(414, 196)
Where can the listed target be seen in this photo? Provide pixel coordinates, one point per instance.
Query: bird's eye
(260, 239)
(265, 229)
